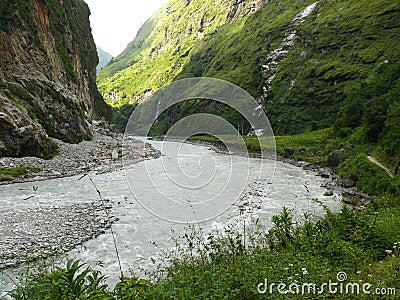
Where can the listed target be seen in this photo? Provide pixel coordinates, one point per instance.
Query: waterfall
(276, 56)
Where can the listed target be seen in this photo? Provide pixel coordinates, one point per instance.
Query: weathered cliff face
(48, 65)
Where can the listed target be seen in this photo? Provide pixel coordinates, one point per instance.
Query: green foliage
(154, 58)
(391, 141)
(10, 173)
(132, 288)
(369, 177)
(122, 115)
(75, 281)
(306, 252)
(330, 76)
(230, 263)
(319, 144)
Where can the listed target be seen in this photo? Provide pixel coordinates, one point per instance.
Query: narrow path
(375, 161)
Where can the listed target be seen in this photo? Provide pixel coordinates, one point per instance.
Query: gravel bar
(38, 233)
(87, 156)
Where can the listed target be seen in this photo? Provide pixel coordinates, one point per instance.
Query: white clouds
(115, 23)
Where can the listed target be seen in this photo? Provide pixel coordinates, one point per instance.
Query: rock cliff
(48, 65)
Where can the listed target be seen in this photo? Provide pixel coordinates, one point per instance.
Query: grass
(334, 59)
(235, 264)
(10, 173)
(365, 244)
(319, 144)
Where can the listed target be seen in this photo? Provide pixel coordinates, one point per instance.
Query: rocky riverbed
(35, 233)
(38, 233)
(94, 155)
(345, 187)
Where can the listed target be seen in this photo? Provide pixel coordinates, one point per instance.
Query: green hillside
(336, 67)
(163, 47)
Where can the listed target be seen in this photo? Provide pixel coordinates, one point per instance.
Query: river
(144, 217)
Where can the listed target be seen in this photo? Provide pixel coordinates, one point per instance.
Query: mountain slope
(164, 45)
(309, 69)
(47, 75)
(104, 59)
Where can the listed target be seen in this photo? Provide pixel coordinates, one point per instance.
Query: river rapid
(143, 218)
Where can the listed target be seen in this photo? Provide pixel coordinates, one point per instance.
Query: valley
(270, 152)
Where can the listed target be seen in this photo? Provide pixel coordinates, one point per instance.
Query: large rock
(349, 183)
(335, 158)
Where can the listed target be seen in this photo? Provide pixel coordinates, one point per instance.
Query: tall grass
(364, 243)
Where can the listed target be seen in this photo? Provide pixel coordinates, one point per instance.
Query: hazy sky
(115, 23)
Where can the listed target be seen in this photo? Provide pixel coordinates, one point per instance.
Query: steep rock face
(48, 65)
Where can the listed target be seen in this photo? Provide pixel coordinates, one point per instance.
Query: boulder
(349, 183)
(335, 158)
(289, 152)
(328, 193)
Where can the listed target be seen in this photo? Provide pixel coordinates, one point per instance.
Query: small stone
(349, 183)
(309, 167)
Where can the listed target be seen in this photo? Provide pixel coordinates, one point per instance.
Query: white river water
(137, 227)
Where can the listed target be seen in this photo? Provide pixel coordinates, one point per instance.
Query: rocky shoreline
(38, 233)
(87, 156)
(26, 235)
(332, 182)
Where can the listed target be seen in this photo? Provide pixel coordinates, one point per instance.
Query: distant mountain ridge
(104, 59)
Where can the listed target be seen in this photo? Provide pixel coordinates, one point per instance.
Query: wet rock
(309, 167)
(324, 172)
(328, 193)
(330, 185)
(289, 152)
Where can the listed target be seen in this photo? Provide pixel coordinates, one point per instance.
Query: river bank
(28, 234)
(87, 156)
(41, 232)
(334, 184)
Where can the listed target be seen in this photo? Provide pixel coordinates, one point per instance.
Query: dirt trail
(375, 161)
